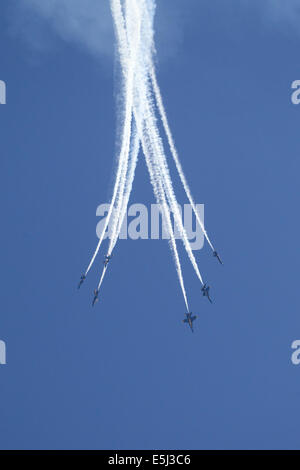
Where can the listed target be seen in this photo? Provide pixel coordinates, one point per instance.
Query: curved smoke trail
(124, 44)
(133, 22)
(123, 157)
(174, 153)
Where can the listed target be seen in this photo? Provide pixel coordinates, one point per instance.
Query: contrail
(153, 167)
(101, 278)
(123, 157)
(142, 101)
(159, 153)
(135, 147)
(157, 186)
(159, 156)
(154, 139)
(133, 26)
(161, 199)
(164, 171)
(174, 153)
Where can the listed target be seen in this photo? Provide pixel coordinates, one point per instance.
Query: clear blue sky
(128, 373)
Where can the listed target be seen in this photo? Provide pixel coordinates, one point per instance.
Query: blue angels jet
(189, 319)
(82, 278)
(216, 255)
(205, 291)
(107, 260)
(95, 299)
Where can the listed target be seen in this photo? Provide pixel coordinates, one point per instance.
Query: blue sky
(129, 374)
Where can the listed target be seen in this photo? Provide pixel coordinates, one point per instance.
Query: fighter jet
(107, 260)
(218, 257)
(189, 319)
(82, 278)
(205, 290)
(95, 299)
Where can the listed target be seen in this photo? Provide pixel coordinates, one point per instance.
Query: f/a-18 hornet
(82, 278)
(205, 291)
(95, 299)
(107, 260)
(190, 319)
(216, 255)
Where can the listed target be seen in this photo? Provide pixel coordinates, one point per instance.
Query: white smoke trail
(123, 157)
(134, 35)
(135, 147)
(156, 183)
(174, 153)
(147, 143)
(158, 151)
(161, 200)
(133, 26)
(129, 181)
(158, 155)
(101, 278)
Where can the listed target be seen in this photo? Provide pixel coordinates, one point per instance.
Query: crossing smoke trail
(161, 200)
(128, 187)
(163, 186)
(174, 153)
(123, 158)
(130, 177)
(125, 41)
(133, 23)
(130, 59)
(134, 37)
(158, 153)
(157, 142)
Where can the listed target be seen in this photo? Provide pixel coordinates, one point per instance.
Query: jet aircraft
(205, 291)
(215, 253)
(107, 260)
(189, 319)
(82, 278)
(95, 299)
